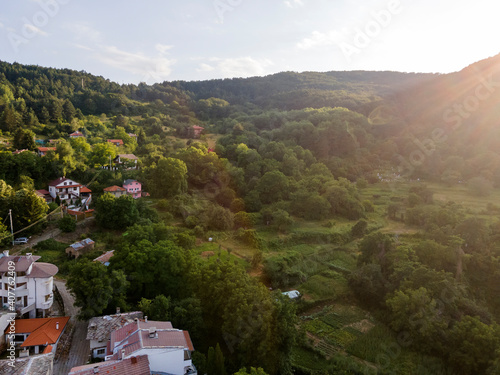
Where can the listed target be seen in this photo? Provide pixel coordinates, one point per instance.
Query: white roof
(292, 294)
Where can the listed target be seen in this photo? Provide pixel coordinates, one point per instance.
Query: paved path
(80, 348)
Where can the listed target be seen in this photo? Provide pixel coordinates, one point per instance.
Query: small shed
(79, 248)
(292, 294)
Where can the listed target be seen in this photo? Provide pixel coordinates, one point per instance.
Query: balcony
(23, 310)
(47, 304)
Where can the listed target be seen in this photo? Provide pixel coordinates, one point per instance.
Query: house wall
(95, 346)
(164, 360)
(134, 189)
(4, 323)
(44, 287)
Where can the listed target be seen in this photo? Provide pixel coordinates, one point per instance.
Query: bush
(67, 224)
(480, 186)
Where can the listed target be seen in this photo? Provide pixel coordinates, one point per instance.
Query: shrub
(67, 224)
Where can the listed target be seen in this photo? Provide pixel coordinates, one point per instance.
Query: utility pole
(11, 226)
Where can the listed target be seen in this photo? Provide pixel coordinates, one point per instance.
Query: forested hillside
(375, 194)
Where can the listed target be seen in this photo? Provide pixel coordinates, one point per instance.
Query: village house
(34, 284)
(105, 258)
(116, 142)
(45, 195)
(130, 366)
(42, 151)
(79, 248)
(38, 336)
(76, 135)
(133, 187)
(168, 349)
(126, 160)
(196, 131)
(70, 191)
(100, 329)
(117, 191)
(36, 364)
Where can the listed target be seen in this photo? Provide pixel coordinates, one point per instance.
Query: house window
(100, 351)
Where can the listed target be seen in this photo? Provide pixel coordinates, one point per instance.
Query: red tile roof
(43, 270)
(48, 349)
(45, 149)
(114, 188)
(76, 134)
(85, 189)
(119, 141)
(22, 263)
(130, 366)
(41, 331)
(105, 257)
(128, 156)
(136, 336)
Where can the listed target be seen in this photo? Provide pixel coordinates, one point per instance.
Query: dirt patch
(363, 326)
(207, 254)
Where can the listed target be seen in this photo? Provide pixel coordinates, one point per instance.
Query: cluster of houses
(125, 343)
(79, 197)
(128, 342)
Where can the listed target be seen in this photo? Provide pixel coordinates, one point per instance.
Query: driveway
(79, 347)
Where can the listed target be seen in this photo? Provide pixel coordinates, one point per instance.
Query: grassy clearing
(211, 252)
(320, 287)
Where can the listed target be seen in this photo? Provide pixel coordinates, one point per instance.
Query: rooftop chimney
(123, 353)
(117, 310)
(146, 319)
(152, 332)
(133, 360)
(96, 370)
(6, 253)
(57, 325)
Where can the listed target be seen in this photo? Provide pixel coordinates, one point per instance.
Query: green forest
(376, 195)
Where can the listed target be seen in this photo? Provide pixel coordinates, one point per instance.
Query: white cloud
(319, 39)
(148, 69)
(163, 48)
(83, 31)
(33, 30)
(237, 67)
(205, 68)
(294, 3)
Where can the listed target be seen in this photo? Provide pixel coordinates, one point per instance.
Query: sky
(131, 41)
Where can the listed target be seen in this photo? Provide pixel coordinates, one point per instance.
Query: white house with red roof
(37, 336)
(76, 135)
(34, 283)
(69, 190)
(42, 151)
(100, 328)
(130, 366)
(168, 349)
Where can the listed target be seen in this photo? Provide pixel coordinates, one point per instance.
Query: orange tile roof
(119, 141)
(114, 188)
(48, 349)
(41, 331)
(85, 189)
